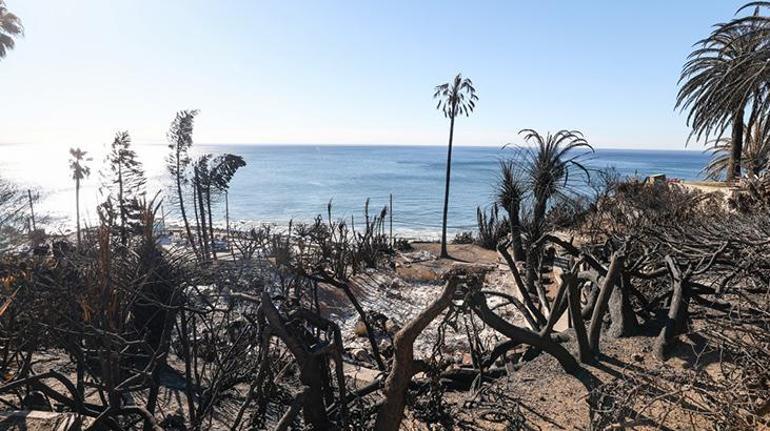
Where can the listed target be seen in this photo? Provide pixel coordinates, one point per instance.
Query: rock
(392, 327)
(467, 359)
(360, 329)
(360, 376)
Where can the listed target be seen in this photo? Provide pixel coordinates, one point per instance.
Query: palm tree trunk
(77, 208)
(227, 224)
(211, 222)
(518, 247)
(203, 230)
(444, 252)
(181, 204)
(197, 219)
(736, 143)
(121, 206)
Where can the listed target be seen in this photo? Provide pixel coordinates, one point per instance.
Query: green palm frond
(721, 76)
(550, 162)
(223, 169)
(10, 28)
(457, 97)
(511, 187)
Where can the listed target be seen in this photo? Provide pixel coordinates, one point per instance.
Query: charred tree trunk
(535, 313)
(676, 321)
(444, 252)
(392, 410)
(310, 366)
(588, 309)
(624, 323)
(736, 147)
(559, 304)
(613, 275)
(516, 242)
(77, 208)
(573, 297)
(524, 336)
(180, 196)
(211, 222)
(202, 229)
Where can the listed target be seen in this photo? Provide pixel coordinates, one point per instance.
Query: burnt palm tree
(552, 168)
(221, 171)
(10, 29)
(509, 195)
(200, 180)
(724, 76)
(123, 182)
(211, 177)
(454, 98)
(549, 163)
(79, 172)
(180, 140)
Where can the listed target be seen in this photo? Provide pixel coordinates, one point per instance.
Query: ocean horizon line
(686, 149)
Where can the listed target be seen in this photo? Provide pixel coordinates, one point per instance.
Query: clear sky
(349, 72)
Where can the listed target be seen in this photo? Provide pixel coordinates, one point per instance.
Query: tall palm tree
(454, 98)
(221, 170)
(124, 180)
(10, 28)
(725, 75)
(79, 172)
(179, 142)
(200, 180)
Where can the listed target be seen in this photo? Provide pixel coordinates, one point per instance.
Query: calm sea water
(281, 183)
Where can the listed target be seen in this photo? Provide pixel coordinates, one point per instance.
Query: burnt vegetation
(126, 333)
(651, 298)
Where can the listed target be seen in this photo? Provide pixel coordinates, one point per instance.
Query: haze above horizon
(349, 72)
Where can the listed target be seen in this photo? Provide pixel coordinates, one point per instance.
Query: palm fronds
(725, 76)
(511, 187)
(10, 28)
(492, 227)
(553, 162)
(457, 97)
(78, 168)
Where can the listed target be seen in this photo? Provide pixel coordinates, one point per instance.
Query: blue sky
(349, 72)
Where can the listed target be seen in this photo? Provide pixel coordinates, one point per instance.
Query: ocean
(286, 182)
